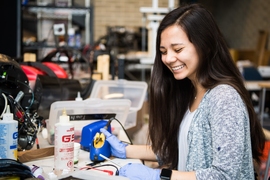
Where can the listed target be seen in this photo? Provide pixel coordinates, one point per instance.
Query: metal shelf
(35, 46)
(57, 9)
(55, 13)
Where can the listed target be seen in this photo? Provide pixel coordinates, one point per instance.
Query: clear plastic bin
(135, 91)
(87, 111)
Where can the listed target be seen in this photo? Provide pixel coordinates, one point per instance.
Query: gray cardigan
(219, 137)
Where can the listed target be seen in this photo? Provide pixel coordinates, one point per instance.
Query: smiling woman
(178, 53)
(202, 124)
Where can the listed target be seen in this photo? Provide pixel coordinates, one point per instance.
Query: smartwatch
(165, 174)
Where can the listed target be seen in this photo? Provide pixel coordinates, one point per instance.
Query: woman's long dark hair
(169, 98)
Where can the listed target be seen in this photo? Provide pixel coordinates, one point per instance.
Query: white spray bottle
(8, 136)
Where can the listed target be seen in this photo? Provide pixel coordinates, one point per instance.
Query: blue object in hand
(118, 148)
(137, 171)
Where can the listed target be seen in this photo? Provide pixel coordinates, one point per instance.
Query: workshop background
(94, 40)
(241, 22)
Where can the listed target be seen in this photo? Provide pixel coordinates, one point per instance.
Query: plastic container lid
(80, 113)
(135, 91)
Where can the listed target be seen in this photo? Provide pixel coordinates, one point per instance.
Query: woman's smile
(177, 68)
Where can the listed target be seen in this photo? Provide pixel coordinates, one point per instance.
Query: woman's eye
(178, 50)
(163, 52)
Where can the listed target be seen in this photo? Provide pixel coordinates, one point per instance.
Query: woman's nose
(170, 57)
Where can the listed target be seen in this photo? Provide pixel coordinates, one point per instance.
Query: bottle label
(8, 141)
(64, 148)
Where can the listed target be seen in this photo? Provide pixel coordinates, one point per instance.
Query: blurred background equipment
(31, 87)
(22, 100)
(59, 31)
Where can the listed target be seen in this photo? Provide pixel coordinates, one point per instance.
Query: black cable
(113, 118)
(108, 124)
(27, 130)
(13, 106)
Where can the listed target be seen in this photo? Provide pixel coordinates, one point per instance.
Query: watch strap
(165, 174)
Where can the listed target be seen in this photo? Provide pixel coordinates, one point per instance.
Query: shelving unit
(45, 13)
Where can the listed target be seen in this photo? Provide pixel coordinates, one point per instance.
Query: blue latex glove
(137, 171)
(118, 148)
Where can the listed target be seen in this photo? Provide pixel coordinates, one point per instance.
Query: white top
(64, 118)
(182, 140)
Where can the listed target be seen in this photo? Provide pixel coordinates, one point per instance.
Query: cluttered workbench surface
(84, 168)
(72, 127)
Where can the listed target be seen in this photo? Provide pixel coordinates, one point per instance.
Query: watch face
(165, 174)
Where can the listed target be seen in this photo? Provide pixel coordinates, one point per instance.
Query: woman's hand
(118, 148)
(135, 171)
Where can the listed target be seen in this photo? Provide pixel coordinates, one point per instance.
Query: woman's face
(178, 53)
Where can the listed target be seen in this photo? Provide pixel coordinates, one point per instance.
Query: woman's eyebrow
(172, 45)
(177, 44)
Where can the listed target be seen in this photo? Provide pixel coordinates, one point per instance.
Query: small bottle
(37, 172)
(63, 145)
(78, 98)
(8, 136)
(78, 43)
(71, 37)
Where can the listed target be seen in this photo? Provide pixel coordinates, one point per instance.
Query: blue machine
(94, 141)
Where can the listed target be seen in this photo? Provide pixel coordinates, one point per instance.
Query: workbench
(47, 164)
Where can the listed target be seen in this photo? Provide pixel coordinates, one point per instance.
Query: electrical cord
(117, 170)
(130, 141)
(27, 129)
(89, 166)
(113, 118)
(108, 124)
(6, 103)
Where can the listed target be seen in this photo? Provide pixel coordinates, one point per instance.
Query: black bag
(10, 167)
